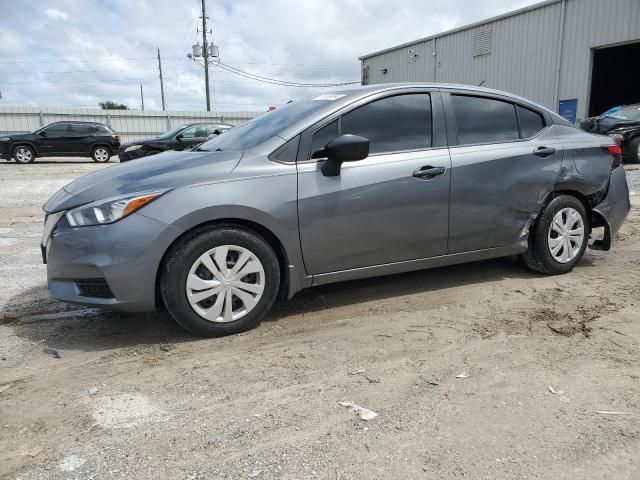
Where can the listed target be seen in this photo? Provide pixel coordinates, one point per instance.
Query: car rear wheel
(633, 151)
(220, 281)
(101, 154)
(559, 237)
(24, 154)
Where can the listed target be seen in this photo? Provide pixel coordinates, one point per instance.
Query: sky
(82, 52)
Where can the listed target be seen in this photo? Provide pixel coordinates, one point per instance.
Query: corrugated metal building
(577, 57)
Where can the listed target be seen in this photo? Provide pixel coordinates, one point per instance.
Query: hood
(145, 141)
(606, 124)
(163, 171)
(19, 136)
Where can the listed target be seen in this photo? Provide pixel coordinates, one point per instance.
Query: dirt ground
(483, 371)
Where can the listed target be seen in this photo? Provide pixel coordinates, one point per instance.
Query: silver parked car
(356, 183)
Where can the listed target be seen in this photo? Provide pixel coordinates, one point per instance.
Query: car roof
(368, 89)
(349, 95)
(77, 121)
(207, 123)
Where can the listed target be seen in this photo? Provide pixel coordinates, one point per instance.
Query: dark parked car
(61, 139)
(350, 184)
(623, 121)
(179, 138)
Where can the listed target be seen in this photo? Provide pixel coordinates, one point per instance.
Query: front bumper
(614, 208)
(5, 153)
(126, 255)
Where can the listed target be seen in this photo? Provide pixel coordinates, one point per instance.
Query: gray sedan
(350, 184)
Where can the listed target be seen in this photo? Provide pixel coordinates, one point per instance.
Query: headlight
(133, 148)
(111, 210)
(5, 139)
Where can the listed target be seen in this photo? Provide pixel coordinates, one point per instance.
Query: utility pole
(161, 82)
(205, 54)
(141, 97)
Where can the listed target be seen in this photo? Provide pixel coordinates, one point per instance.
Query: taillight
(116, 138)
(616, 152)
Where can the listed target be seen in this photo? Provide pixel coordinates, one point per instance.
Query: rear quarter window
(531, 123)
(101, 130)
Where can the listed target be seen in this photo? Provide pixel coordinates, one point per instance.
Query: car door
(384, 208)
(52, 139)
(79, 139)
(505, 161)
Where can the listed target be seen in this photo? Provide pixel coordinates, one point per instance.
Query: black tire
(633, 151)
(23, 154)
(538, 257)
(182, 257)
(101, 154)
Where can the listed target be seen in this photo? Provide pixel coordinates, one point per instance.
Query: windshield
(630, 112)
(172, 132)
(267, 125)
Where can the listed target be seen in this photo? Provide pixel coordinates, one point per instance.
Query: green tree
(109, 105)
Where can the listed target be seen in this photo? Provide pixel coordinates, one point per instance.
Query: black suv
(61, 139)
(179, 138)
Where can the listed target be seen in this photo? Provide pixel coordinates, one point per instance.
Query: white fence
(130, 124)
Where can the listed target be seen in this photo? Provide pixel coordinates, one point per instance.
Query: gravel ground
(479, 371)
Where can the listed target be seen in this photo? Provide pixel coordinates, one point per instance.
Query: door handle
(428, 172)
(544, 152)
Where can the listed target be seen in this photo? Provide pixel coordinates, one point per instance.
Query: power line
(180, 55)
(79, 71)
(274, 81)
(133, 80)
(235, 62)
(78, 61)
(333, 65)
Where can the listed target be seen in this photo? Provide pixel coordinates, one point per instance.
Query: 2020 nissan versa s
(367, 181)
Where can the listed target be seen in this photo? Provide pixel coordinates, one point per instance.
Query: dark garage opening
(615, 79)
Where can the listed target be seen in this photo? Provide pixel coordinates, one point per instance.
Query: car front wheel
(24, 154)
(100, 154)
(220, 280)
(559, 237)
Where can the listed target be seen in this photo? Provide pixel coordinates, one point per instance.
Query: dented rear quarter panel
(497, 189)
(586, 167)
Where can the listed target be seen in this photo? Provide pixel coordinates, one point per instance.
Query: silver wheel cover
(225, 283)
(101, 154)
(566, 235)
(23, 155)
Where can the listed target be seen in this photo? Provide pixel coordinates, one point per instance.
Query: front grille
(94, 287)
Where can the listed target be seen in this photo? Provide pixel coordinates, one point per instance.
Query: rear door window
(484, 120)
(79, 129)
(201, 131)
(531, 123)
(392, 124)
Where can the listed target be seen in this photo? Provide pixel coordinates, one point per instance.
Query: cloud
(80, 53)
(54, 14)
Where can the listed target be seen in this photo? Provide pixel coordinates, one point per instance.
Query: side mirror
(42, 134)
(179, 137)
(346, 148)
